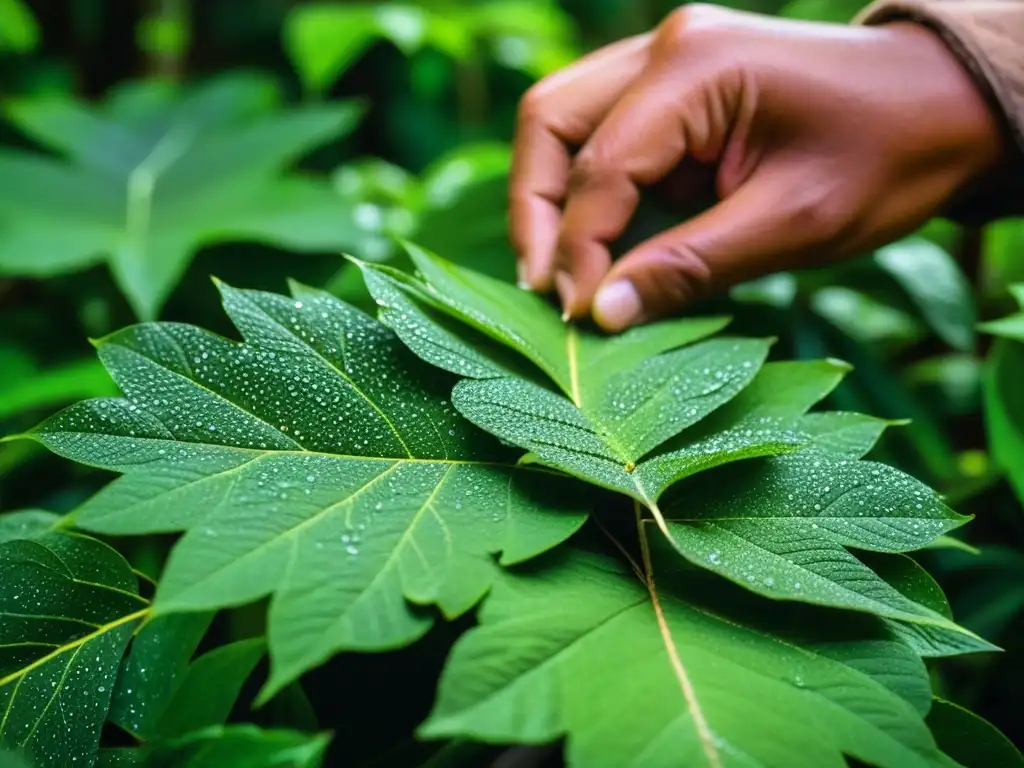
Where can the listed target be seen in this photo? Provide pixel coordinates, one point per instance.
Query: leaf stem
(707, 738)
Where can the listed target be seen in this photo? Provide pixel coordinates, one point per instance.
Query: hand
(822, 141)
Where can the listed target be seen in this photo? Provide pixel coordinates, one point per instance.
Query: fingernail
(566, 292)
(521, 275)
(618, 305)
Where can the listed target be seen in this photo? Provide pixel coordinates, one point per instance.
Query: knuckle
(531, 106)
(588, 170)
(689, 24)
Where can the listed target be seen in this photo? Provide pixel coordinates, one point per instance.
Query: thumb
(766, 225)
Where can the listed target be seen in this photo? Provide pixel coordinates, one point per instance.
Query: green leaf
(621, 397)
(19, 31)
(936, 285)
(951, 542)
(197, 168)
(26, 524)
(1012, 326)
(319, 463)
(323, 40)
(153, 670)
(239, 746)
(782, 527)
(1004, 409)
(864, 318)
(68, 605)
(670, 675)
(969, 739)
(209, 688)
(14, 760)
(915, 583)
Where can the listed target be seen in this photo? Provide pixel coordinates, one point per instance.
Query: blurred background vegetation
(145, 146)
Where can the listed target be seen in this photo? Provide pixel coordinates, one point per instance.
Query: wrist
(965, 125)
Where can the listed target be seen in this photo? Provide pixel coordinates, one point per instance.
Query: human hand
(822, 141)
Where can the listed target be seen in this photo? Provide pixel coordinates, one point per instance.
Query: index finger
(558, 114)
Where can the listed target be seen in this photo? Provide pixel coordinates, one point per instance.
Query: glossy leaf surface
(317, 462)
(68, 605)
(570, 650)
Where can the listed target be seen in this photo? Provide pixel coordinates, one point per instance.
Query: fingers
(557, 115)
(644, 137)
(778, 220)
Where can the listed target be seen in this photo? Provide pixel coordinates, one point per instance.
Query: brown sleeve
(988, 38)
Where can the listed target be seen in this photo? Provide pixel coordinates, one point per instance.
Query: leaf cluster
(735, 590)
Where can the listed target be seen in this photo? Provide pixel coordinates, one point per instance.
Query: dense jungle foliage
(359, 501)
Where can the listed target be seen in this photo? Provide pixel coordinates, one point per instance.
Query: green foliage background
(147, 146)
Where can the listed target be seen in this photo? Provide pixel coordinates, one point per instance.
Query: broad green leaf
(1004, 409)
(936, 285)
(239, 746)
(621, 398)
(68, 604)
(656, 675)
(26, 524)
(319, 463)
(189, 170)
(209, 689)
(154, 669)
(14, 760)
(971, 740)
(841, 433)
(782, 527)
(119, 757)
(915, 583)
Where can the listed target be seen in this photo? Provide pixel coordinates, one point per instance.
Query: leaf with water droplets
(783, 527)
(623, 400)
(162, 692)
(927, 640)
(154, 668)
(679, 672)
(68, 605)
(317, 462)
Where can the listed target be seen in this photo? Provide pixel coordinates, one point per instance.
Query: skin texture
(820, 142)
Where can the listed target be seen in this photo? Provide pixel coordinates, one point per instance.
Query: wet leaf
(317, 462)
(569, 649)
(68, 605)
(783, 527)
(929, 640)
(621, 416)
